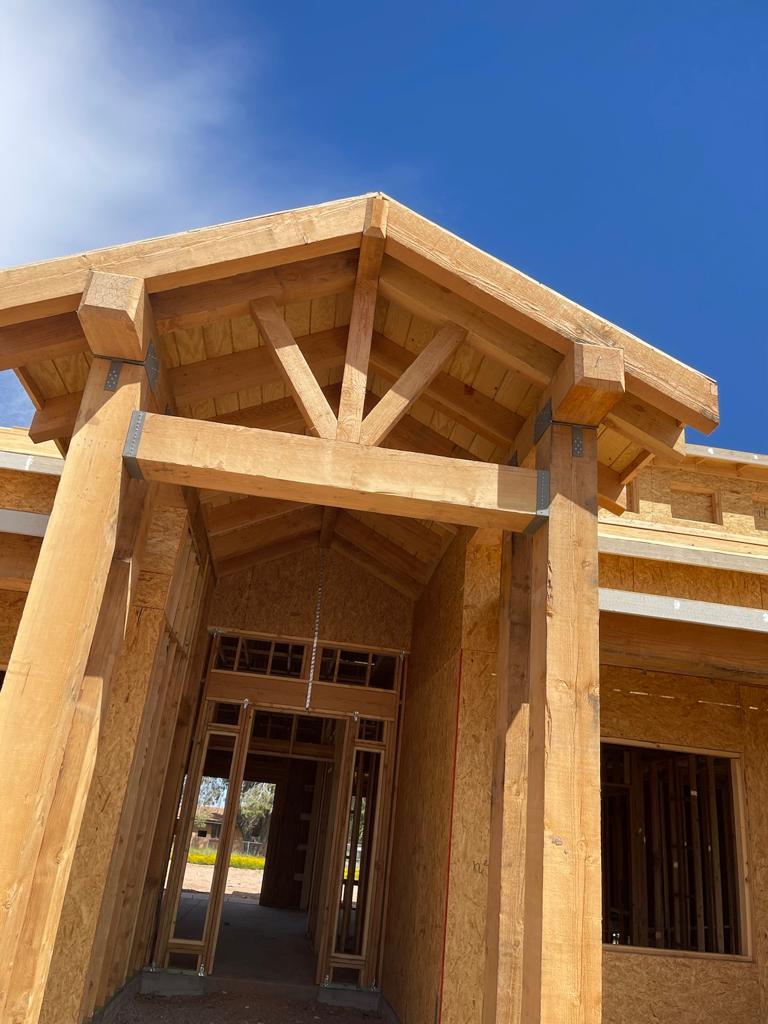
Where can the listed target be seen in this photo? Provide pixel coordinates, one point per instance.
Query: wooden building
(332, 500)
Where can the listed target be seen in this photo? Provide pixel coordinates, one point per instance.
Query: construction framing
(245, 408)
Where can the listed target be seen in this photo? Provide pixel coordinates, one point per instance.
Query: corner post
(65, 651)
(562, 954)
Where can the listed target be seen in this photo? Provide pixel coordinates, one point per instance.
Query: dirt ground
(222, 1008)
(244, 881)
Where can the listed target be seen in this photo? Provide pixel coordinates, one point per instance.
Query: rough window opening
(290, 660)
(669, 846)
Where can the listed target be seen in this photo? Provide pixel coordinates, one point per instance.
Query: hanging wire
(316, 635)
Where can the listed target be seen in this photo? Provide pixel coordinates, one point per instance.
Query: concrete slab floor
(226, 1008)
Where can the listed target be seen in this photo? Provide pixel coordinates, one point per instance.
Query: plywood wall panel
(27, 492)
(471, 827)
(416, 918)
(679, 496)
(279, 598)
(435, 948)
(693, 582)
(640, 989)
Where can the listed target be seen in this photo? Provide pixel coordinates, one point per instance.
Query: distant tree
(213, 792)
(256, 802)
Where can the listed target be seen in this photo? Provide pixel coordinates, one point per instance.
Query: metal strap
(132, 442)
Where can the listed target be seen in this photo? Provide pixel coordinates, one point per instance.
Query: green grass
(236, 860)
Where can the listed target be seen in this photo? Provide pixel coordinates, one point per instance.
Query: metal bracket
(542, 501)
(577, 442)
(131, 447)
(113, 375)
(542, 492)
(543, 421)
(152, 365)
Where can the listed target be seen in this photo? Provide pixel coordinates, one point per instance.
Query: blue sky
(617, 152)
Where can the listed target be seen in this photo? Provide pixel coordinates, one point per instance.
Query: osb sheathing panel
(444, 797)
(733, 500)
(692, 582)
(279, 598)
(470, 835)
(713, 715)
(27, 492)
(417, 893)
(93, 854)
(11, 607)
(677, 990)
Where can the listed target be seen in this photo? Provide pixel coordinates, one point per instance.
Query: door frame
(349, 705)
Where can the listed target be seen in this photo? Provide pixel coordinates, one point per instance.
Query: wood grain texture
(44, 699)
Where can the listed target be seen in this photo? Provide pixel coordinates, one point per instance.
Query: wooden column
(562, 955)
(58, 674)
(503, 986)
(120, 731)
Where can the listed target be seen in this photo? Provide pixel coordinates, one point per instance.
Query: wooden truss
(348, 375)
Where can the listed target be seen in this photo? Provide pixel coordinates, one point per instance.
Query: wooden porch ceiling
(474, 346)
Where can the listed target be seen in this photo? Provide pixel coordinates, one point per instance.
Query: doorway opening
(278, 871)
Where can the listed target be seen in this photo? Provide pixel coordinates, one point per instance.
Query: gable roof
(201, 283)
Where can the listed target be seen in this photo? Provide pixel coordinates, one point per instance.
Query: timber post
(562, 953)
(65, 651)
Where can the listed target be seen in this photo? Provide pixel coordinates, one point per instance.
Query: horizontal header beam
(242, 460)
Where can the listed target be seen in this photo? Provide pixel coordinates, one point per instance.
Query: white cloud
(109, 134)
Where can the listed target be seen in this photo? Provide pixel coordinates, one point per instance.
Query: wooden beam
(457, 400)
(328, 527)
(308, 394)
(323, 350)
(653, 430)
(637, 465)
(538, 311)
(682, 648)
(56, 418)
(48, 338)
(354, 382)
(245, 512)
(562, 966)
(588, 383)
(116, 317)
(300, 521)
(200, 304)
(425, 544)
(353, 530)
(18, 558)
(191, 257)
(611, 492)
(216, 456)
(239, 371)
(267, 553)
(411, 384)
(51, 705)
(497, 340)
